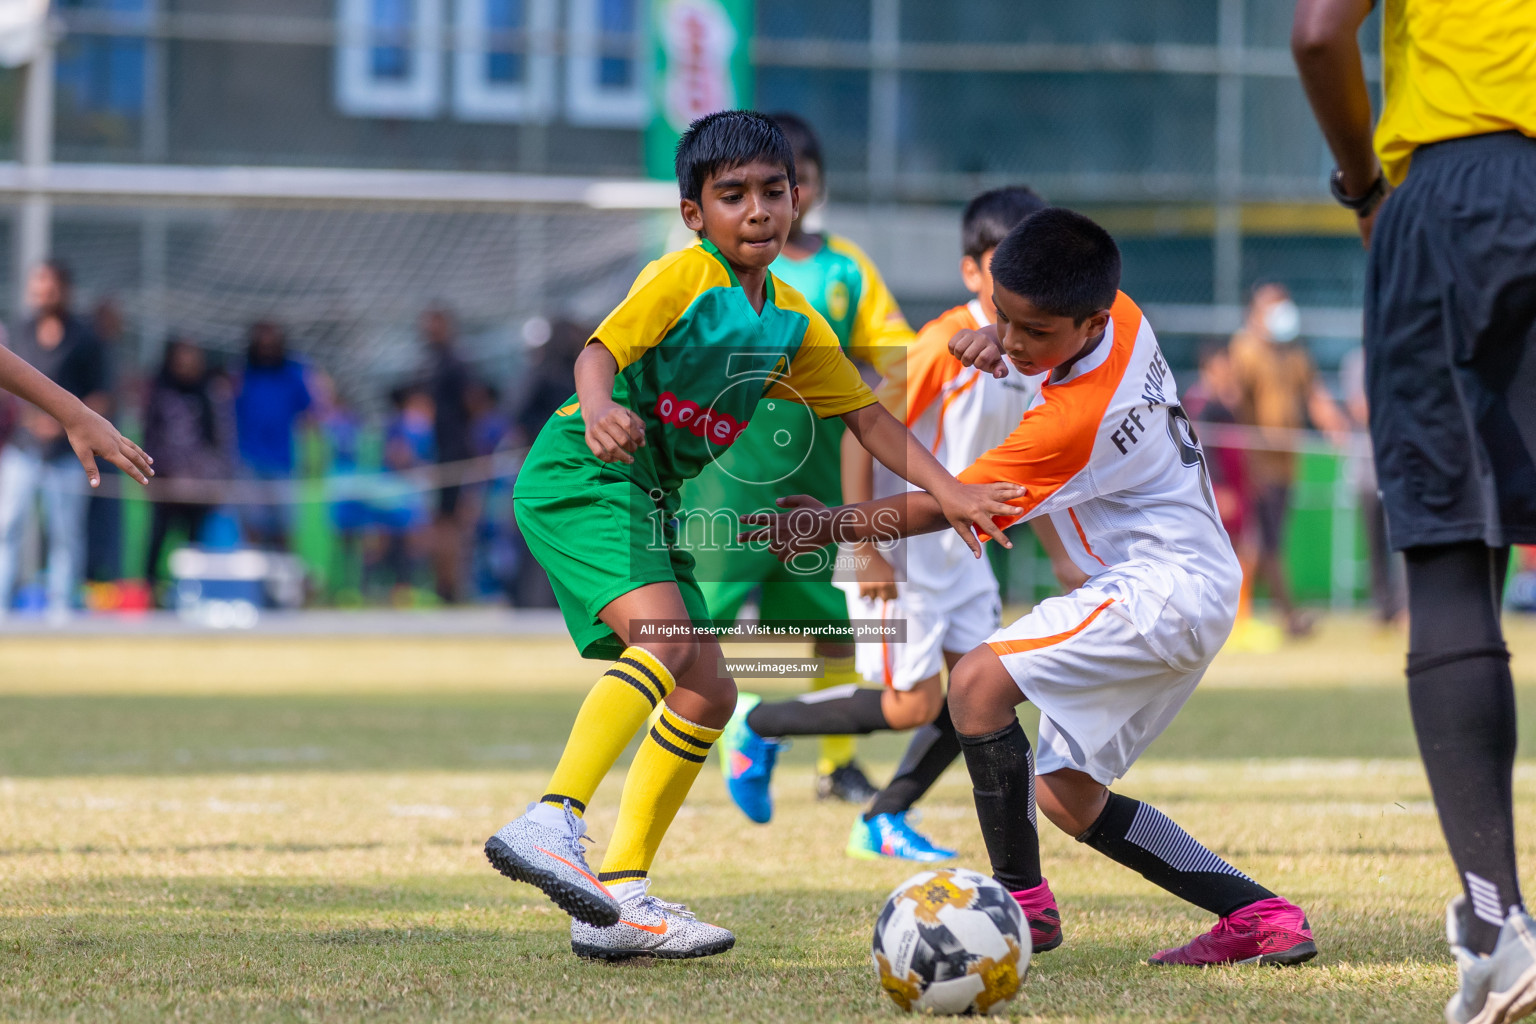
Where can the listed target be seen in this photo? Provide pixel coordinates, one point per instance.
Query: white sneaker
(549, 855)
(650, 927)
(1501, 986)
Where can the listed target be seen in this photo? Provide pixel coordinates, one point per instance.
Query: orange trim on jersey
(1055, 439)
(916, 382)
(1072, 513)
(1003, 647)
(938, 435)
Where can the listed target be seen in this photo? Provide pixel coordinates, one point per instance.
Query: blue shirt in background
(271, 399)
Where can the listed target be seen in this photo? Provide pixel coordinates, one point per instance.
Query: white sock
(548, 815)
(627, 890)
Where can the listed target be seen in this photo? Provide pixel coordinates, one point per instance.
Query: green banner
(701, 61)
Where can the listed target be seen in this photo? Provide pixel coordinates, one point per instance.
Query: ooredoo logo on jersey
(714, 425)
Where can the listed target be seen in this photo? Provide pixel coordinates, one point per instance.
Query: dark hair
(253, 336)
(1062, 262)
(207, 421)
(990, 216)
(726, 139)
(801, 137)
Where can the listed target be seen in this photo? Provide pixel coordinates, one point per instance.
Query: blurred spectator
(1212, 402)
(1389, 576)
(550, 378)
(401, 515)
(37, 457)
(184, 428)
(494, 555)
(1212, 399)
(342, 430)
(550, 384)
(447, 381)
(1279, 392)
(271, 397)
(103, 515)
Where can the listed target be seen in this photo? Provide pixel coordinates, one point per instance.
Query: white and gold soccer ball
(951, 941)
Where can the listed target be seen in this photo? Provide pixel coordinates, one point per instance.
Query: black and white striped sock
(1146, 840)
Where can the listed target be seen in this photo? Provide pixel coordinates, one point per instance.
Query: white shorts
(934, 625)
(1110, 664)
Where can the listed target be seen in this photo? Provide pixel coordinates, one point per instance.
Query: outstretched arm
(89, 433)
(969, 508)
(808, 525)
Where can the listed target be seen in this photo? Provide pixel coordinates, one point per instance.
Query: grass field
(242, 829)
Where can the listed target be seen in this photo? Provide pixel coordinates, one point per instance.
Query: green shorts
(748, 478)
(598, 540)
(786, 596)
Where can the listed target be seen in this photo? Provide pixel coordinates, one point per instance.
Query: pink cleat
(1039, 906)
(1272, 931)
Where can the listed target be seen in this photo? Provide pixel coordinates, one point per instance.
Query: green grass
(159, 735)
(177, 843)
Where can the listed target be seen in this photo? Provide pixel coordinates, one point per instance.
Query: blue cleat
(889, 835)
(747, 761)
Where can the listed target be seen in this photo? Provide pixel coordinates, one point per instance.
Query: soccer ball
(951, 941)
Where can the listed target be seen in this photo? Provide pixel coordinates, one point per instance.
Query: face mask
(1283, 321)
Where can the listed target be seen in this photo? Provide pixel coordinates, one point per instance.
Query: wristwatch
(1364, 205)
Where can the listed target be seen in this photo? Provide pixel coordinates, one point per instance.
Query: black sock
(934, 748)
(836, 711)
(1149, 842)
(1003, 782)
(1463, 704)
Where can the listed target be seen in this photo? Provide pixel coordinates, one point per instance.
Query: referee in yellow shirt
(1450, 347)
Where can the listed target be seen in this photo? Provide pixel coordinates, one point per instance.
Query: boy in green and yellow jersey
(787, 451)
(667, 383)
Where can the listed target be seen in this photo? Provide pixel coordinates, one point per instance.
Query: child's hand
(807, 526)
(91, 435)
(613, 432)
(980, 349)
(877, 580)
(970, 508)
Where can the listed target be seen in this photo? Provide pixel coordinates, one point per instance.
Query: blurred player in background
(947, 601)
(1278, 393)
(667, 382)
(785, 453)
(1450, 329)
(1107, 453)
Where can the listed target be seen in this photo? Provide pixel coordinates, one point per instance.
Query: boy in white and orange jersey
(1108, 455)
(945, 602)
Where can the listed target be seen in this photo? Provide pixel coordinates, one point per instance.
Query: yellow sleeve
(820, 376)
(660, 295)
(880, 333)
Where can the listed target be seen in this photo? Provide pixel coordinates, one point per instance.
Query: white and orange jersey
(959, 412)
(1109, 455)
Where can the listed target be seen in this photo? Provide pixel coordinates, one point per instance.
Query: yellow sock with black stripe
(663, 771)
(607, 721)
(836, 751)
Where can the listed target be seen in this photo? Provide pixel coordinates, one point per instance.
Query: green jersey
(696, 364)
(791, 453)
(695, 359)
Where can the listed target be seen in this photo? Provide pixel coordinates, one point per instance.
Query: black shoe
(847, 783)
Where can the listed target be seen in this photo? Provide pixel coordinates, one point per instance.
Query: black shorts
(1450, 332)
